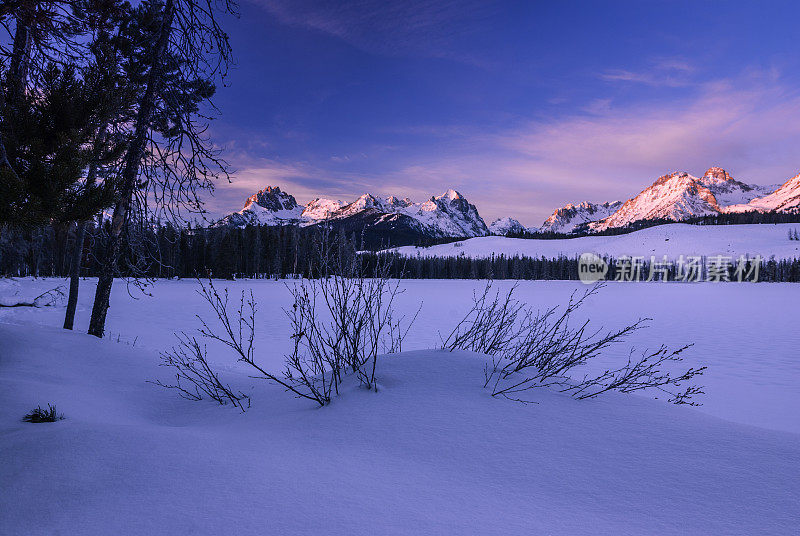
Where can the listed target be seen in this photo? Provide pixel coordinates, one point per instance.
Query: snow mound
(430, 452)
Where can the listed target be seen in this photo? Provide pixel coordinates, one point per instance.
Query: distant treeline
(161, 251)
(567, 268)
(277, 252)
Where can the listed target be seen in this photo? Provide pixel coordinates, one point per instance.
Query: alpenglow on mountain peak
(677, 196)
(451, 195)
(272, 198)
(447, 215)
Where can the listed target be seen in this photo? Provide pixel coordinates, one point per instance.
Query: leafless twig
(530, 349)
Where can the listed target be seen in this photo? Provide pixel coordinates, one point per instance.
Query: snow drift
(429, 452)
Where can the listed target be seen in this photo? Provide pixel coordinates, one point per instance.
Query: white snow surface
(743, 332)
(672, 240)
(429, 453)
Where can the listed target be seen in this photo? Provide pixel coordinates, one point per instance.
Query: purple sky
(522, 107)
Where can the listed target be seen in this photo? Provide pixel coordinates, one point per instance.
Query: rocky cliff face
(676, 196)
(569, 217)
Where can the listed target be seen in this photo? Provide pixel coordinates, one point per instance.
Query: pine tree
(168, 158)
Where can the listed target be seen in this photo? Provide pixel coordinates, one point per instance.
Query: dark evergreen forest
(165, 251)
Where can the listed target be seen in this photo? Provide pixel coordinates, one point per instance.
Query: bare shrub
(194, 377)
(532, 349)
(238, 334)
(49, 298)
(343, 318)
(341, 321)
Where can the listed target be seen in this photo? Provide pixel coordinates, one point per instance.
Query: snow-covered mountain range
(447, 215)
(676, 196)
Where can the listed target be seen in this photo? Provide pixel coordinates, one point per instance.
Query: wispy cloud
(414, 27)
(662, 72)
(743, 122)
(749, 125)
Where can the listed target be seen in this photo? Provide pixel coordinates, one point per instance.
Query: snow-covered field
(431, 452)
(672, 240)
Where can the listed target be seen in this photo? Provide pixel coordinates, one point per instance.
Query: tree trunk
(129, 175)
(75, 275)
(80, 234)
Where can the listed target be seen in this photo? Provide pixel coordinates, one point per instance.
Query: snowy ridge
(447, 215)
(729, 191)
(320, 209)
(567, 218)
(506, 226)
(785, 198)
(269, 206)
(676, 196)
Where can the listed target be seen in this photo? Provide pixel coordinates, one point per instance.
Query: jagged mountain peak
(718, 178)
(675, 196)
(573, 215)
(674, 177)
(451, 195)
(397, 202)
(506, 226)
(448, 215)
(581, 205)
(679, 195)
(272, 198)
(365, 201)
(321, 208)
(730, 191)
(717, 174)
